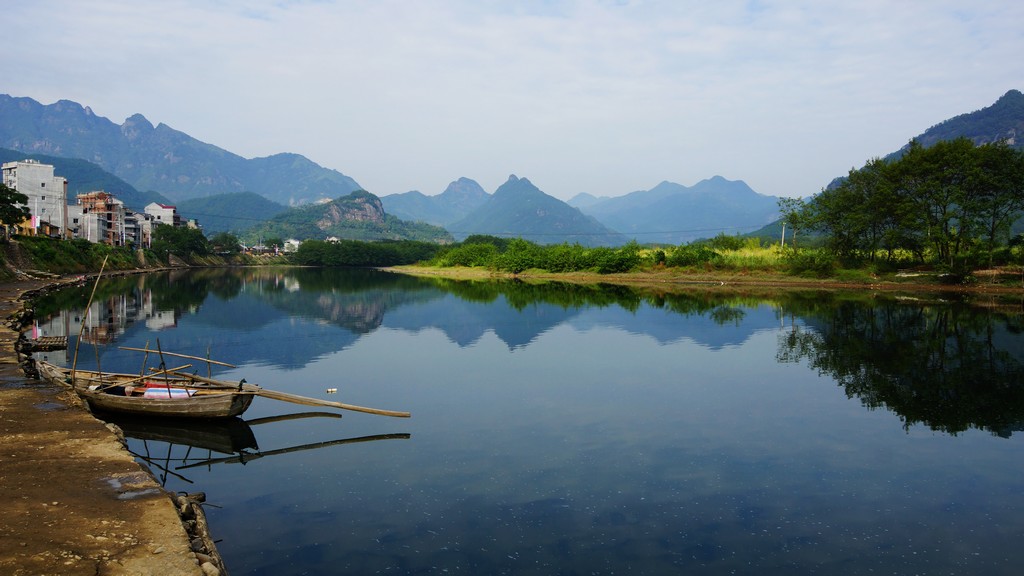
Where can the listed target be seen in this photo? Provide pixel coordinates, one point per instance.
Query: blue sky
(605, 97)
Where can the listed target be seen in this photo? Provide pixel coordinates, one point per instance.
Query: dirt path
(74, 500)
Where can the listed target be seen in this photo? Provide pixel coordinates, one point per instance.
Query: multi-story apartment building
(47, 196)
(102, 218)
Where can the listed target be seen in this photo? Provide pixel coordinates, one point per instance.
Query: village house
(163, 213)
(47, 196)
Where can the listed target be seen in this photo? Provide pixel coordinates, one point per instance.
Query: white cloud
(605, 97)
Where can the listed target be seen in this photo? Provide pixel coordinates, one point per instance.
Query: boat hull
(207, 401)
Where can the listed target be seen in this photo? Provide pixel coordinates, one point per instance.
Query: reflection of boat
(244, 456)
(224, 435)
(232, 437)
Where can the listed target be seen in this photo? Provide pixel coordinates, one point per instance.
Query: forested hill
(1000, 122)
(357, 216)
(235, 212)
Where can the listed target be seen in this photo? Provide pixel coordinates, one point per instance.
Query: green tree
(181, 241)
(519, 256)
(999, 191)
(936, 180)
(225, 243)
(795, 215)
(947, 202)
(13, 209)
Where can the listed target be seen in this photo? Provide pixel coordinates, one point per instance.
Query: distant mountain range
(519, 209)
(160, 158)
(671, 213)
(456, 202)
(516, 209)
(140, 163)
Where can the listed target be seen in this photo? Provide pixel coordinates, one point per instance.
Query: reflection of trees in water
(723, 308)
(950, 367)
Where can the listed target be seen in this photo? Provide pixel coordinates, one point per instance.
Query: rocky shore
(76, 502)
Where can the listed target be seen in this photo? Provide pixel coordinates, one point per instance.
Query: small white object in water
(332, 390)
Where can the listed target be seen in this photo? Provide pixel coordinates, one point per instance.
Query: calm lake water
(583, 430)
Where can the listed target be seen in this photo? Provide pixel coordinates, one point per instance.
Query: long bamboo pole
(148, 350)
(88, 305)
(144, 376)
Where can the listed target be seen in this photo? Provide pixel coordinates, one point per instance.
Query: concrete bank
(74, 500)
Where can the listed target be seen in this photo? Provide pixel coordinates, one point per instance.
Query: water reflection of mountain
(290, 317)
(947, 366)
(667, 326)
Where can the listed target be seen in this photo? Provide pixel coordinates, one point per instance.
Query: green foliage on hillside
(74, 256)
(1000, 121)
(235, 212)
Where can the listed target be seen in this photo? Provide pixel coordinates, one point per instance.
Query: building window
(42, 184)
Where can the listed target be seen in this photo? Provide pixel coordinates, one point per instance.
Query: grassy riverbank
(680, 278)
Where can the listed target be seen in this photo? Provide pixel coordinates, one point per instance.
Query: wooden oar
(294, 398)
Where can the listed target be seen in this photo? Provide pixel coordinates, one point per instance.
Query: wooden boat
(173, 393)
(176, 396)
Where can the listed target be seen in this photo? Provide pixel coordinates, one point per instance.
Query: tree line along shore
(724, 258)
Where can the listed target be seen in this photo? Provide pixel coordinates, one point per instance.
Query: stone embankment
(75, 501)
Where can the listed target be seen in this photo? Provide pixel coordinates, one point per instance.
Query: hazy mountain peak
(463, 188)
(139, 121)
(516, 185)
(584, 199)
(518, 208)
(461, 197)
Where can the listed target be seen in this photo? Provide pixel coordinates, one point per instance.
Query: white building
(163, 214)
(47, 194)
